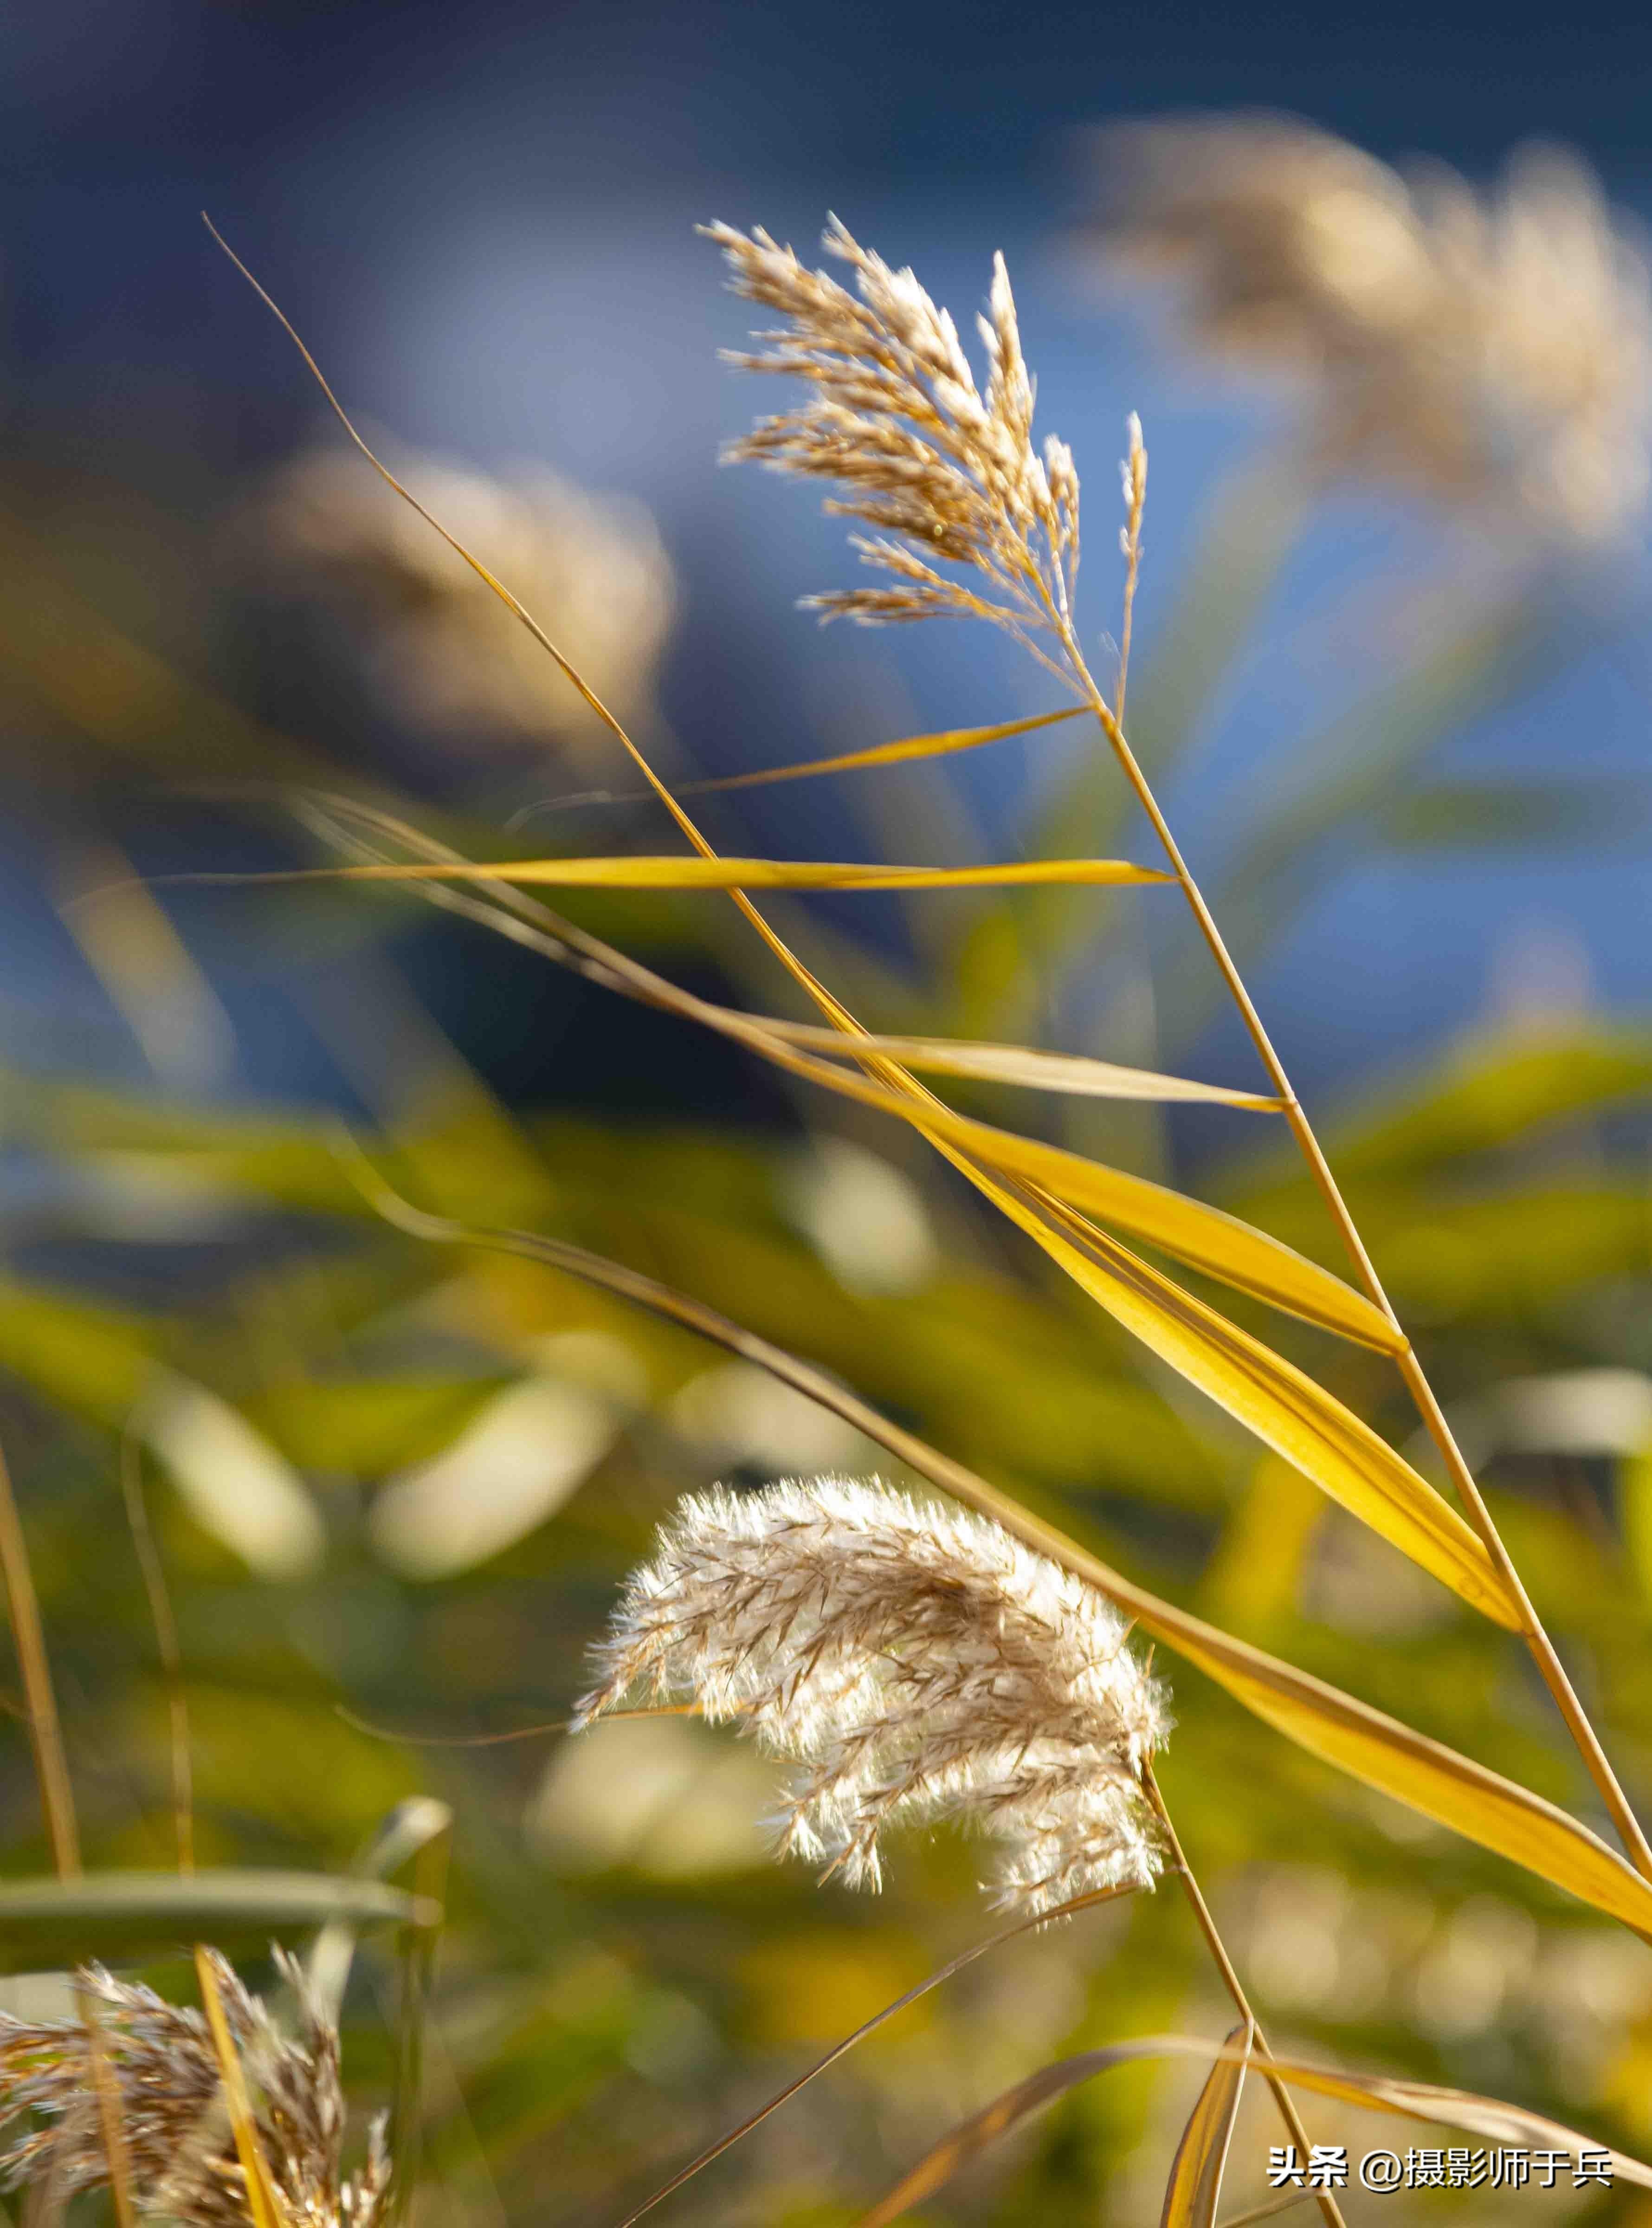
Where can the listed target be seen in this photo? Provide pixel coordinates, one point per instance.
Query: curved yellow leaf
(1194, 2189)
(1205, 1237)
(670, 871)
(1332, 1447)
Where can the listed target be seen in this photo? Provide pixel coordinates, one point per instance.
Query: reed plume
(432, 641)
(947, 472)
(1493, 350)
(181, 2154)
(918, 1663)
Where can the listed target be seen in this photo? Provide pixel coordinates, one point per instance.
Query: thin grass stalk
(1235, 1988)
(262, 2202)
(753, 2120)
(57, 1802)
(1266, 2211)
(1411, 1369)
(417, 1961)
(166, 1647)
(45, 1731)
(106, 2090)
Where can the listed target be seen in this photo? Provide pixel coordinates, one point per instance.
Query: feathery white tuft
(917, 1663)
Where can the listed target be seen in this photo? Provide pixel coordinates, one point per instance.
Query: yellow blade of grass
(1195, 2187)
(1377, 1749)
(1452, 2107)
(1331, 1446)
(1206, 1237)
(939, 745)
(262, 2201)
(669, 872)
(1068, 1073)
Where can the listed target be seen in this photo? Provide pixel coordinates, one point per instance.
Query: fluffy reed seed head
(431, 640)
(917, 1663)
(946, 471)
(1495, 350)
(180, 2149)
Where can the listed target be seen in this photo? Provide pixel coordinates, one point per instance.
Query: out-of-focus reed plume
(180, 2151)
(895, 416)
(432, 639)
(918, 1663)
(1493, 349)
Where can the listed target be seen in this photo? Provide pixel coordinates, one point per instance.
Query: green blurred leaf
(47, 1923)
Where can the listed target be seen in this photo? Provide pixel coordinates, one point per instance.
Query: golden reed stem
(1235, 1988)
(1411, 1369)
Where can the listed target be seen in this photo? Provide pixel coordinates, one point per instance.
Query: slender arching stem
(1411, 1369)
(1235, 1988)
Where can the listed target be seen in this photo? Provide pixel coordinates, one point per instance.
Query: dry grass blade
(1070, 1073)
(939, 745)
(261, 2199)
(867, 2027)
(1195, 2185)
(1413, 2100)
(639, 872)
(1308, 1427)
(1372, 1748)
(107, 2093)
(1220, 1244)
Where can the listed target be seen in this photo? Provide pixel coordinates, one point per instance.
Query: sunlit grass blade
(669, 872)
(1194, 2189)
(1372, 1748)
(1022, 1064)
(1284, 1407)
(1205, 1237)
(939, 745)
(1455, 2107)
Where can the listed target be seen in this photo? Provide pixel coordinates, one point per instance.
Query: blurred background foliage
(395, 1484)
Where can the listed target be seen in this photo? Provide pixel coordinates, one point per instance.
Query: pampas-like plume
(1494, 349)
(431, 639)
(918, 1663)
(945, 472)
(179, 2147)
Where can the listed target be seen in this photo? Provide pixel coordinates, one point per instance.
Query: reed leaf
(1205, 1237)
(1068, 1073)
(1194, 2189)
(1416, 2100)
(1284, 1407)
(939, 745)
(639, 871)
